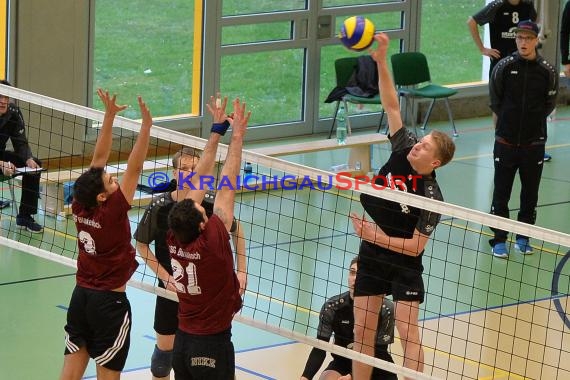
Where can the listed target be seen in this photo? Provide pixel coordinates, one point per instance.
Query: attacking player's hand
(365, 229)
(110, 102)
(382, 43)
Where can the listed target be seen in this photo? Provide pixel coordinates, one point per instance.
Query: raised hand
(382, 43)
(145, 113)
(217, 108)
(110, 102)
(239, 118)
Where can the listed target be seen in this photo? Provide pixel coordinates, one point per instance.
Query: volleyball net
(482, 316)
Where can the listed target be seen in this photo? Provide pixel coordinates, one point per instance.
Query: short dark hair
(184, 220)
(353, 261)
(88, 186)
(185, 151)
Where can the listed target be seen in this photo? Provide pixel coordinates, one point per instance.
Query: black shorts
(341, 365)
(203, 357)
(99, 320)
(381, 272)
(165, 316)
(378, 373)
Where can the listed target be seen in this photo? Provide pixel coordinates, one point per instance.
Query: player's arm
(105, 138)
(324, 332)
(241, 257)
(474, 30)
(138, 154)
(152, 262)
(224, 202)
(552, 93)
(565, 39)
(388, 94)
(205, 166)
(370, 232)
(496, 88)
(20, 141)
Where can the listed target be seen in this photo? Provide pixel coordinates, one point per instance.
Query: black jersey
(337, 318)
(503, 18)
(12, 127)
(397, 219)
(154, 224)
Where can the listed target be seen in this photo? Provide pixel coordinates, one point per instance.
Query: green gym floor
(483, 317)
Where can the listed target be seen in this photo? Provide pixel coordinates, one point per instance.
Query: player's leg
(407, 317)
(161, 361)
(165, 325)
(380, 374)
(336, 369)
(107, 374)
(372, 282)
(74, 365)
(408, 293)
(76, 337)
(109, 315)
(330, 375)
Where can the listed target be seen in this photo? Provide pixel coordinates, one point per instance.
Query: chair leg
(334, 119)
(455, 134)
(13, 194)
(348, 126)
(428, 114)
(380, 123)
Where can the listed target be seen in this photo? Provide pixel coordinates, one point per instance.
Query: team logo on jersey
(88, 242)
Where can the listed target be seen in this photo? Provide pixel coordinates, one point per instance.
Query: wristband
(220, 128)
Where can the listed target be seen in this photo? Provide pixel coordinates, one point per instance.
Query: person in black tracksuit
(523, 90)
(337, 319)
(13, 128)
(565, 39)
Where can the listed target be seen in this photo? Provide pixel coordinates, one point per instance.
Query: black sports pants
(30, 184)
(528, 160)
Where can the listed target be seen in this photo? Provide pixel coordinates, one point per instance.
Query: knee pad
(161, 362)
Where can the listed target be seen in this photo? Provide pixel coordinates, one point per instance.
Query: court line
(255, 373)
(554, 289)
(446, 221)
(37, 279)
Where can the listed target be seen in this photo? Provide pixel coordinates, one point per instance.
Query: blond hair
(445, 146)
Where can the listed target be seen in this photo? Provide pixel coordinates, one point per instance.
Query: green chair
(10, 181)
(412, 77)
(344, 67)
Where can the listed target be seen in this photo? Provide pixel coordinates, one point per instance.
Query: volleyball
(357, 33)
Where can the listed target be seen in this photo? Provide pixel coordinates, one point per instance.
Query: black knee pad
(161, 362)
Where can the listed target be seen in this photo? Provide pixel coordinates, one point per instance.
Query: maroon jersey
(207, 286)
(106, 255)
